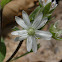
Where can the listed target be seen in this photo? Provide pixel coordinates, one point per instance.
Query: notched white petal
(20, 38)
(29, 43)
(14, 33)
(49, 0)
(37, 21)
(19, 32)
(43, 34)
(16, 39)
(45, 2)
(43, 22)
(34, 44)
(21, 22)
(53, 5)
(26, 18)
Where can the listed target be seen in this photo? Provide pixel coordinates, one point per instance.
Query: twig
(18, 47)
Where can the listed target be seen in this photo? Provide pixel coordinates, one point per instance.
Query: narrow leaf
(2, 50)
(51, 11)
(46, 9)
(15, 28)
(33, 14)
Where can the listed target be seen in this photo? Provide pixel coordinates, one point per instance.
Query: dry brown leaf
(12, 9)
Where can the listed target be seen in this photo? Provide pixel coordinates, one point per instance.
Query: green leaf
(40, 4)
(51, 11)
(2, 50)
(46, 9)
(4, 2)
(33, 14)
(15, 28)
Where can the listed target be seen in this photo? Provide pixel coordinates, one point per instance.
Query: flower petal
(49, 1)
(21, 22)
(29, 43)
(53, 5)
(37, 21)
(20, 38)
(45, 2)
(34, 44)
(43, 34)
(19, 32)
(43, 22)
(26, 18)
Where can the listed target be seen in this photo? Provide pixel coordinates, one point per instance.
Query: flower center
(31, 31)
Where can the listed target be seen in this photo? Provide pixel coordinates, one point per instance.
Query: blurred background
(47, 52)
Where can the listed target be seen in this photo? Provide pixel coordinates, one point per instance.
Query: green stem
(38, 46)
(20, 56)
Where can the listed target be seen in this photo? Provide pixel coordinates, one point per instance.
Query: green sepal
(46, 9)
(2, 50)
(33, 14)
(15, 28)
(49, 17)
(40, 4)
(51, 11)
(55, 32)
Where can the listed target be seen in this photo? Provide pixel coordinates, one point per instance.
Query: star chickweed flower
(45, 2)
(30, 31)
(53, 5)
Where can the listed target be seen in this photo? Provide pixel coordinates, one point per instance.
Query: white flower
(31, 32)
(45, 2)
(53, 5)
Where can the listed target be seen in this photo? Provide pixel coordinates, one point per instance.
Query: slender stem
(21, 56)
(18, 47)
(38, 46)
